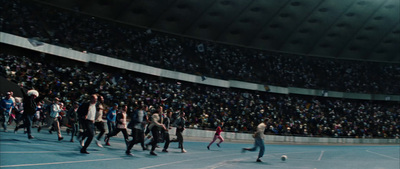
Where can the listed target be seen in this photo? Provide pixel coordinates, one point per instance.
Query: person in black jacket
(154, 127)
(180, 127)
(87, 114)
(121, 126)
(30, 99)
(73, 120)
(139, 122)
(165, 133)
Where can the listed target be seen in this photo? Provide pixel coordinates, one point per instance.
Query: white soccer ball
(283, 157)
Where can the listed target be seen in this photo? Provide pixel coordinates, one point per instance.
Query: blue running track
(46, 152)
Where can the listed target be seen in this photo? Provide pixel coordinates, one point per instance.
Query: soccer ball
(283, 157)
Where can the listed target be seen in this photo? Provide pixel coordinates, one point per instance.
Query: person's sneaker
(153, 153)
(129, 153)
(165, 151)
(106, 139)
(258, 160)
(60, 138)
(82, 142)
(31, 137)
(208, 147)
(218, 145)
(108, 144)
(99, 144)
(84, 152)
(50, 131)
(184, 151)
(38, 129)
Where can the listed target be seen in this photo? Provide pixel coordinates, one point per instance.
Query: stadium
(306, 83)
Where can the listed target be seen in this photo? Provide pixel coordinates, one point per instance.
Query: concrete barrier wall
(245, 137)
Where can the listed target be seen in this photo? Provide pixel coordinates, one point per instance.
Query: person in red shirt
(217, 136)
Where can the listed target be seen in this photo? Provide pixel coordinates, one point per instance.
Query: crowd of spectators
(206, 106)
(72, 29)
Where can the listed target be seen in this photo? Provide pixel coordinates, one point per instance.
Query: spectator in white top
(54, 116)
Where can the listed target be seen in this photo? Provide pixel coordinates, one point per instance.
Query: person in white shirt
(54, 115)
(99, 124)
(258, 140)
(87, 114)
(155, 127)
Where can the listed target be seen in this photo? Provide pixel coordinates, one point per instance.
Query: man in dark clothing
(180, 127)
(29, 101)
(73, 120)
(154, 127)
(139, 122)
(87, 114)
(165, 133)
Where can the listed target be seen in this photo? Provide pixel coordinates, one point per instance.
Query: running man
(258, 140)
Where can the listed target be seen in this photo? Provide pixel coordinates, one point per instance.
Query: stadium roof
(346, 29)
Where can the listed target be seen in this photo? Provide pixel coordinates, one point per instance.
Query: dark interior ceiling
(347, 29)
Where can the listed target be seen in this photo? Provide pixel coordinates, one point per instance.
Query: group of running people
(150, 122)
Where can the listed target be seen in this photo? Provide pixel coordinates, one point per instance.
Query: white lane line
(22, 144)
(225, 163)
(32, 152)
(153, 166)
(383, 155)
(64, 162)
(320, 156)
(33, 144)
(176, 162)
